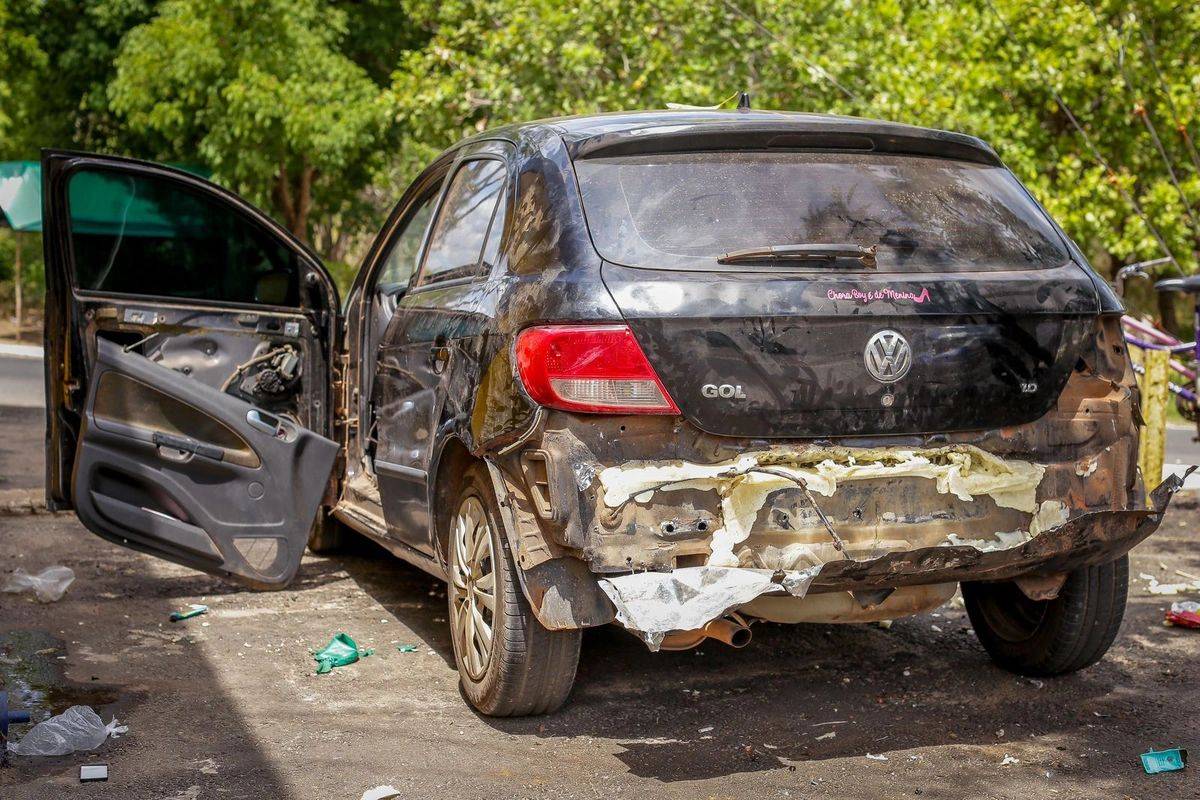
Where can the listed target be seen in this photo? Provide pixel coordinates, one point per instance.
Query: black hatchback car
(678, 370)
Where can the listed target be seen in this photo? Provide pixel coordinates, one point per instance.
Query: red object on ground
(1185, 615)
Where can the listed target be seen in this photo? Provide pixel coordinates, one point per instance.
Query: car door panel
(189, 340)
(183, 471)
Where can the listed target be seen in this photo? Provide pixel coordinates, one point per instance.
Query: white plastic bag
(49, 585)
(77, 728)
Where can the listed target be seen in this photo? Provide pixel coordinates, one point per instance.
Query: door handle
(262, 421)
(438, 358)
(185, 445)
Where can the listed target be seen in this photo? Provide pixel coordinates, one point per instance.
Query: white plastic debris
(830, 735)
(380, 793)
(1009, 761)
(48, 585)
(880, 757)
(77, 728)
(651, 604)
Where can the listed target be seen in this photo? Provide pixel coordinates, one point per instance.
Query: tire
(1051, 637)
(327, 535)
(524, 669)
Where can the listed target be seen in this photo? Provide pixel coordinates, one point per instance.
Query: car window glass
(921, 214)
(149, 235)
(457, 236)
(405, 246)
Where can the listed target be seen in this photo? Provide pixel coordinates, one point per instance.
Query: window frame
(418, 282)
(307, 261)
(430, 191)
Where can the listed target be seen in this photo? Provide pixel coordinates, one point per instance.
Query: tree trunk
(17, 296)
(295, 201)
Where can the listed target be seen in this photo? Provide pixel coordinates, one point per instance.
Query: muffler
(731, 630)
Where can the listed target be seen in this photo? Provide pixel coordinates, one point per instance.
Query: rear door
(187, 347)
(428, 341)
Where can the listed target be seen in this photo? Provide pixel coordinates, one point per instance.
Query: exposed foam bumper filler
(744, 483)
(652, 604)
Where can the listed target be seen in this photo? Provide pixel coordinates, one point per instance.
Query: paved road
(21, 377)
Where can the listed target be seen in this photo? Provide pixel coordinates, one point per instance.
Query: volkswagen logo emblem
(887, 356)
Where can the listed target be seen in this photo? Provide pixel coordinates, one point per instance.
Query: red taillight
(599, 369)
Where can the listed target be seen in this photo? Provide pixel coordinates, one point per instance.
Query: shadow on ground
(715, 711)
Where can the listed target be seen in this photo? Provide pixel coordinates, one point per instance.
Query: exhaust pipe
(731, 630)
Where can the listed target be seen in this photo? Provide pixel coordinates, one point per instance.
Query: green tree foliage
(59, 56)
(263, 93)
(989, 67)
(322, 110)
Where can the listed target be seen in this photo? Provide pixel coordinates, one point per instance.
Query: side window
(405, 246)
(457, 237)
(144, 235)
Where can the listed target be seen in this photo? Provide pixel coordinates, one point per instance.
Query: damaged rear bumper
(654, 604)
(601, 512)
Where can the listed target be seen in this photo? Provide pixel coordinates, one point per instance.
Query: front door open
(188, 388)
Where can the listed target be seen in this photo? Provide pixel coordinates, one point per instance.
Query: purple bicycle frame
(1164, 341)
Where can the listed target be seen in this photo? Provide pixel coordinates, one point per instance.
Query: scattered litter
(1190, 576)
(194, 610)
(831, 722)
(936, 628)
(1154, 587)
(879, 757)
(48, 585)
(8, 717)
(77, 728)
(884, 623)
(93, 772)
(340, 652)
(1157, 761)
(1035, 683)
(830, 735)
(706, 729)
(1008, 761)
(380, 793)
(1185, 614)
(406, 648)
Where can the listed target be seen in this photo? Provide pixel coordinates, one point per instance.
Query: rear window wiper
(801, 252)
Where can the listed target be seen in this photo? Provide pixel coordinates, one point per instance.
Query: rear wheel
(508, 664)
(1051, 637)
(327, 534)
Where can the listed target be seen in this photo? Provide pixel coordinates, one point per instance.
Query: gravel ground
(226, 705)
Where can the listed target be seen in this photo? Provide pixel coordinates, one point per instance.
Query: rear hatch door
(972, 315)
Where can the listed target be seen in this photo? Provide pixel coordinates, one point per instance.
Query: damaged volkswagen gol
(681, 371)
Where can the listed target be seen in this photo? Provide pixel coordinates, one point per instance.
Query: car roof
(626, 132)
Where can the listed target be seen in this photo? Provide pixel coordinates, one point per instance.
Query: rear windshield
(923, 214)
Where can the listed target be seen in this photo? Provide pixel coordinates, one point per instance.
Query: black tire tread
(1078, 628)
(532, 669)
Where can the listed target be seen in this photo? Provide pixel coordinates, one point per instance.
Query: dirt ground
(227, 705)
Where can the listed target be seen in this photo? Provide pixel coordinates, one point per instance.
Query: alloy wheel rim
(473, 587)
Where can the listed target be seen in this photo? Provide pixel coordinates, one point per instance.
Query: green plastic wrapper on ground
(194, 610)
(406, 648)
(341, 651)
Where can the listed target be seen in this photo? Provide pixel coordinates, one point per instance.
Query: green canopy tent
(103, 203)
(21, 210)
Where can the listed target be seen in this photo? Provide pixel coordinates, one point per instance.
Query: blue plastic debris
(1157, 761)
